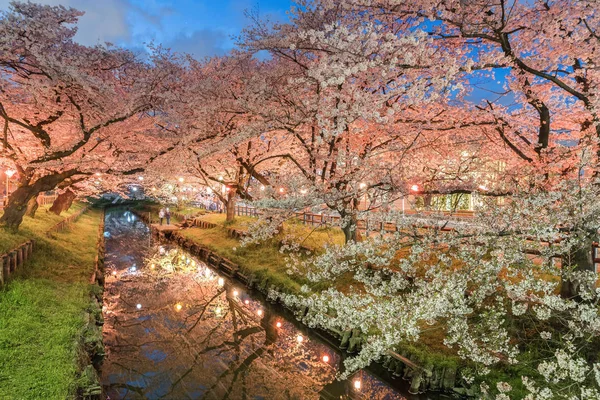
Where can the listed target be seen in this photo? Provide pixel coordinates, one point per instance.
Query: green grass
(42, 309)
(311, 237)
(31, 227)
(263, 260)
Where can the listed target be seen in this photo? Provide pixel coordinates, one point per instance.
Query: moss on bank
(43, 308)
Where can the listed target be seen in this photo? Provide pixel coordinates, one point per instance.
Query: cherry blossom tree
(64, 106)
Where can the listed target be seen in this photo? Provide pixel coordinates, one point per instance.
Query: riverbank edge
(405, 364)
(36, 271)
(91, 341)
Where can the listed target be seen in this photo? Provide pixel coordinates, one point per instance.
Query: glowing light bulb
(414, 188)
(207, 272)
(181, 179)
(221, 178)
(221, 281)
(141, 178)
(114, 273)
(193, 263)
(133, 269)
(357, 384)
(326, 358)
(134, 189)
(363, 185)
(259, 312)
(218, 310)
(281, 190)
(178, 306)
(300, 338)
(246, 301)
(98, 174)
(262, 187)
(152, 266)
(138, 306)
(303, 191)
(236, 293)
(483, 187)
(278, 324)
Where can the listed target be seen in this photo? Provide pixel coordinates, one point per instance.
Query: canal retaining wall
(90, 386)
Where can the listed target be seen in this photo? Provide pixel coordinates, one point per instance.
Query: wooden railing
(317, 220)
(65, 223)
(42, 200)
(14, 259)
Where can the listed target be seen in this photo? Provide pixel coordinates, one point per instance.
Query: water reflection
(175, 329)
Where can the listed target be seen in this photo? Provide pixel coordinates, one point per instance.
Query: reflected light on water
(219, 334)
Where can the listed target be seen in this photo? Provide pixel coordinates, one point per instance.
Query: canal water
(176, 329)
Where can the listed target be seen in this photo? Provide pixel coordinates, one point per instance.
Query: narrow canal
(176, 329)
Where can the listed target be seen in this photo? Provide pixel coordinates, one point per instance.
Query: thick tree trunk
(579, 260)
(17, 202)
(230, 206)
(63, 202)
(32, 207)
(17, 206)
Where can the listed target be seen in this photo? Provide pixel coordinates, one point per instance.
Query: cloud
(104, 21)
(201, 43)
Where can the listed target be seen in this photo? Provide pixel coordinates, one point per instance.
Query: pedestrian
(168, 215)
(161, 215)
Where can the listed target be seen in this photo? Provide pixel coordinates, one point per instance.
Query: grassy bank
(42, 309)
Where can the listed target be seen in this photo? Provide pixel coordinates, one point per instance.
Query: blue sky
(200, 27)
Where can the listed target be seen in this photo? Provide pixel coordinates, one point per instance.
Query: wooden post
(20, 259)
(4, 269)
(25, 251)
(13, 261)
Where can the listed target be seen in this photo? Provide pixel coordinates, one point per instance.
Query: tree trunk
(63, 202)
(17, 202)
(230, 206)
(350, 227)
(17, 206)
(32, 207)
(581, 259)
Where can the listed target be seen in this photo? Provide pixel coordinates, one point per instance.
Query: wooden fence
(317, 220)
(10, 261)
(42, 200)
(65, 223)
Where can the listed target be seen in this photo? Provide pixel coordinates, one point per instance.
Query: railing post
(4, 269)
(20, 257)
(13, 261)
(25, 252)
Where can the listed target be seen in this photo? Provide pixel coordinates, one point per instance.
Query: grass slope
(42, 308)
